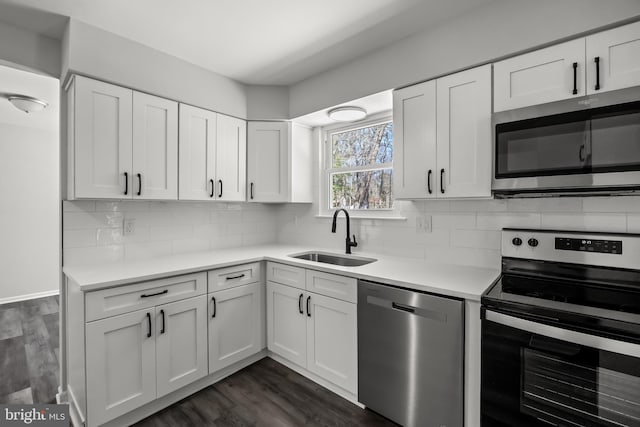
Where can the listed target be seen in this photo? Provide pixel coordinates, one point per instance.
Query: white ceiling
(274, 42)
(373, 104)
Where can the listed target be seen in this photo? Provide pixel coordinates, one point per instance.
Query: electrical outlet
(423, 224)
(129, 226)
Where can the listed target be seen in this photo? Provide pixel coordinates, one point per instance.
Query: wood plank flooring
(29, 351)
(264, 394)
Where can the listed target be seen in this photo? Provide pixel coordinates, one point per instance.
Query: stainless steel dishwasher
(410, 355)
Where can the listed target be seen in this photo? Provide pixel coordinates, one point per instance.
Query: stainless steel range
(561, 331)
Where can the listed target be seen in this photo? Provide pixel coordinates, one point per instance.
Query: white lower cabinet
(121, 364)
(136, 357)
(236, 324)
(315, 332)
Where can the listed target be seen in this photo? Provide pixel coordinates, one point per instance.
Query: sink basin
(335, 259)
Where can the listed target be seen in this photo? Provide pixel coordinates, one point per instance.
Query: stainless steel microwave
(584, 146)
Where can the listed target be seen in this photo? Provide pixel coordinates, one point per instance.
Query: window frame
(326, 170)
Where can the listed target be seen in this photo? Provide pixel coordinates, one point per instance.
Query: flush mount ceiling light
(27, 104)
(347, 114)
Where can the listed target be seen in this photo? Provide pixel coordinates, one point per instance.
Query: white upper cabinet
(617, 52)
(545, 75)
(442, 137)
(414, 144)
(231, 159)
(197, 153)
(100, 140)
(279, 162)
(155, 147)
(122, 144)
(602, 62)
(464, 134)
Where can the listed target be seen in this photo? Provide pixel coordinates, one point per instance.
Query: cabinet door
(332, 341)
(545, 75)
(464, 134)
(267, 161)
(181, 330)
(102, 140)
(121, 364)
(414, 141)
(235, 325)
(618, 53)
(155, 147)
(231, 159)
(197, 153)
(286, 323)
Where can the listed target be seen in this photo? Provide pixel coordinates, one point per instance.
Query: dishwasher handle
(403, 307)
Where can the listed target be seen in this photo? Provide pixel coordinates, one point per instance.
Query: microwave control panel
(589, 245)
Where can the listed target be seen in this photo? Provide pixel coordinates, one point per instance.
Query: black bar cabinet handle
(214, 307)
(220, 182)
(153, 295)
(442, 181)
(308, 310)
(300, 304)
(126, 183)
(597, 61)
(429, 181)
(235, 277)
(581, 153)
(575, 78)
(149, 323)
(162, 314)
(251, 191)
(139, 184)
(212, 185)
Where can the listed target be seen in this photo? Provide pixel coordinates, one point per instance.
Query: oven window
(537, 149)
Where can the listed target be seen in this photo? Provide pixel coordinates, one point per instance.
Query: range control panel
(589, 245)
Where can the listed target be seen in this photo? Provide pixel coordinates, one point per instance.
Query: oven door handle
(593, 341)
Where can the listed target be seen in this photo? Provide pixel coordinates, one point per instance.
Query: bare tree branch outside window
(361, 170)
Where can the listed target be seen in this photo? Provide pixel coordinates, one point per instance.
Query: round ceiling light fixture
(347, 113)
(27, 104)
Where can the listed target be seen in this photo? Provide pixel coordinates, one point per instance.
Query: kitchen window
(358, 172)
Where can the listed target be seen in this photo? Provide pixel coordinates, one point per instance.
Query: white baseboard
(28, 296)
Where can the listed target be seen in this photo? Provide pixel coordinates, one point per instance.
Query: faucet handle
(354, 243)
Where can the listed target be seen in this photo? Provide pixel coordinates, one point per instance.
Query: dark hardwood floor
(264, 394)
(29, 351)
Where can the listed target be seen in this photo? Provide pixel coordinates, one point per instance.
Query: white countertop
(447, 279)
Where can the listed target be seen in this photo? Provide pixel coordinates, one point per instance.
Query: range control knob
(533, 242)
(516, 241)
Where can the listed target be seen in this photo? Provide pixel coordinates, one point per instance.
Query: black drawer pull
(220, 182)
(429, 181)
(403, 307)
(235, 277)
(126, 183)
(575, 78)
(300, 304)
(597, 61)
(251, 191)
(149, 323)
(166, 291)
(442, 181)
(162, 314)
(139, 184)
(308, 309)
(212, 186)
(214, 307)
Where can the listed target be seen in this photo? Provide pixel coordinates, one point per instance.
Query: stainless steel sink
(335, 259)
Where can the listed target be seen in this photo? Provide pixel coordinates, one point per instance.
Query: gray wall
(29, 50)
(502, 28)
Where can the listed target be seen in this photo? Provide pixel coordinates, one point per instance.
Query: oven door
(534, 374)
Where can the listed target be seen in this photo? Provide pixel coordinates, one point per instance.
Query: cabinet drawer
(123, 299)
(286, 274)
(230, 277)
(332, 285)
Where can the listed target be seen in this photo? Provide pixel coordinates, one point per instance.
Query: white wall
(503, 27)
(93, 229)
(29, 185)
(110, 57)
(29, 49)
(267, 102)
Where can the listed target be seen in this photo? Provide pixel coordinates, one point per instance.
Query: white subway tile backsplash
(498, 221)
(633, 223)
(79, 206)
(79, 238)
(579, 221)
(606, 204)
(90, 219)
(93, 255)
(108, 236)
(135, 251)
(555, 204)
(481, 239)
(453, 220)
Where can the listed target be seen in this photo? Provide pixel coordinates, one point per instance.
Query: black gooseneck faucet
(349, 242)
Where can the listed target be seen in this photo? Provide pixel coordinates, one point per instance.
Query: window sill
(372, 217)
